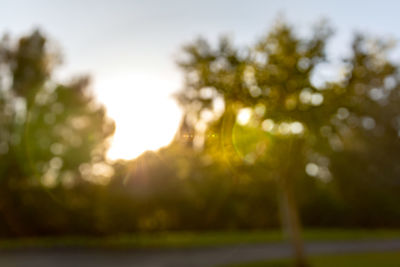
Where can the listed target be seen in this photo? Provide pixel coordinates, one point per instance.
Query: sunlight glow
(244, 116)
(144, 111)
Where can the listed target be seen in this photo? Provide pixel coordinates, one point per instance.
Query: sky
(130, 47)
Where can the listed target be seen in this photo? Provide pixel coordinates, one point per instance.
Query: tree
(365, 132)
(262, 104)
(52, 134)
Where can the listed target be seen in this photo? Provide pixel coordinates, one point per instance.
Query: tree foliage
(51, 132)
(272, 84)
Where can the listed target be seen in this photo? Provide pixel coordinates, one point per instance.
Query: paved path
(199, 257)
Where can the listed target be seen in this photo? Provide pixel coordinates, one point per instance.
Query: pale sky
(129, 47)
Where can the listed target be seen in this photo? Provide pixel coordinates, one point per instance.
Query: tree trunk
(291, 223)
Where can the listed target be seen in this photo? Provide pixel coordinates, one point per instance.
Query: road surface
(191, 257)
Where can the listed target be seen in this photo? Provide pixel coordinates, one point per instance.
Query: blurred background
(124, 118)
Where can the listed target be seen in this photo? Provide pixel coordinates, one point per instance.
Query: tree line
(261, 143)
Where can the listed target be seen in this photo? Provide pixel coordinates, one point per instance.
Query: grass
(195, 239)
(383, 259)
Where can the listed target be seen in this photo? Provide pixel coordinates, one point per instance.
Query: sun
(145, 114)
